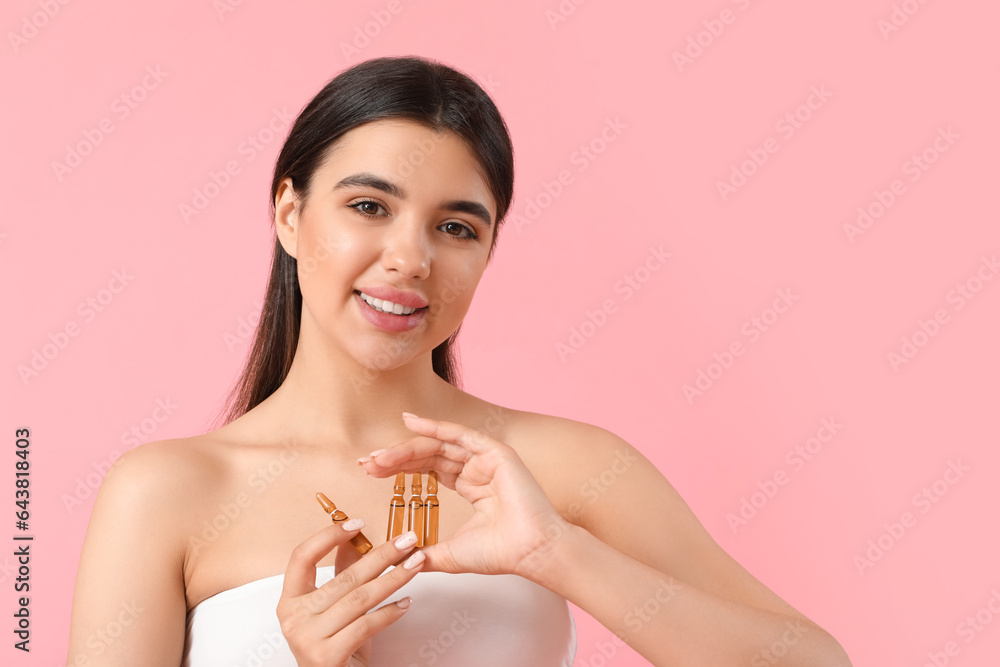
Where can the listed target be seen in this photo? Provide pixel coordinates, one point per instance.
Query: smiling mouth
(387, 307)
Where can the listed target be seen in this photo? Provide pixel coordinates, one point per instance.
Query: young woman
(388, 195)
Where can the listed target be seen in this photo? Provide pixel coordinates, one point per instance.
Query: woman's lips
(389, 321)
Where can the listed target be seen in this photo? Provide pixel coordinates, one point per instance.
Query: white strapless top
(455, 620)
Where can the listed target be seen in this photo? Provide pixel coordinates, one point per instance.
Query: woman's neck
(352, 409)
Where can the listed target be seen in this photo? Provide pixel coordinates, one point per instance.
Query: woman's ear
(286, 216)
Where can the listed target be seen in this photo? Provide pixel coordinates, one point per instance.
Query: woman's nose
(407, 251)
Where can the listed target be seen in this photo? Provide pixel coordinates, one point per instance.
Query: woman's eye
(368, 208)
(456, 229)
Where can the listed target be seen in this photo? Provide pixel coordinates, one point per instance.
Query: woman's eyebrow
(470, 207)
(366, 179)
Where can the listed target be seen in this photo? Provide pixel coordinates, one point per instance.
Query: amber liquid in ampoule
(415, 519)
(360, 542)
(397, 508)
(431, 509)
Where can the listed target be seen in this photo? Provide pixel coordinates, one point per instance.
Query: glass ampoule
(397, 508)
(431, 509)
(360, 542)
(415, 517)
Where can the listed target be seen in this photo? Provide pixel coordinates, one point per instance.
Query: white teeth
(387, 306)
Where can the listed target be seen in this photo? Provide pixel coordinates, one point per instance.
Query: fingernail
(414, 560)
(363, 460)
(409, 414)
(376, 453)
(353, 524)
(406, 541)
(404, 603)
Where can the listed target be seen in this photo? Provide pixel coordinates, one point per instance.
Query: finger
(363, 585)
(421, 447)
(300, 574)
(365, 627)
(470, 439)
(438, 558)
(390, 462)
(346, 556)
(446, 479)
(374, 563)
(361, 600)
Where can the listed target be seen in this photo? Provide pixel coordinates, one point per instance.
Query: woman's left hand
(514, 523)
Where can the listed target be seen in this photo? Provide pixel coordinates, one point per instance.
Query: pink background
(680, 131)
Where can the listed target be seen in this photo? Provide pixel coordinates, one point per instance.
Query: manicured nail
(414, 560)
(376, 453)
(363, 460)
(404, 603)
(353, 524)
(406, 540)
(410, 414)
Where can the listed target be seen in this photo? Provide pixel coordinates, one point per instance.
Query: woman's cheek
(320, 249)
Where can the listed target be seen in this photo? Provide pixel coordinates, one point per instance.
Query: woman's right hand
(330, 626)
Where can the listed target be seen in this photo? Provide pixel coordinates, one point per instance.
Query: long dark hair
(418, 89)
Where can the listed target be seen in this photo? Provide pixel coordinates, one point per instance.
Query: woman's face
(397, 212)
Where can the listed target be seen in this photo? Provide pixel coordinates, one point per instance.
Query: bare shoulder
(161, 483)
(164, 463)
(600, 482)
(577, 463)
(550, 436)
(132, 562)
(171, 473)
